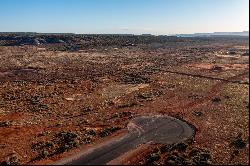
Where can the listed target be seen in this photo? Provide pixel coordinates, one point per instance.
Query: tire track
(229, 80)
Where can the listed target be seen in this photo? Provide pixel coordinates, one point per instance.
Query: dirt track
(214, 90)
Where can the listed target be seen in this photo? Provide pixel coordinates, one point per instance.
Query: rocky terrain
(64, 92)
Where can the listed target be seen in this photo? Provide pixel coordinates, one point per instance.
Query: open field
(61, 97)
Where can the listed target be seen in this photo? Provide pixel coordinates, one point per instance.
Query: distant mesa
(243, 33)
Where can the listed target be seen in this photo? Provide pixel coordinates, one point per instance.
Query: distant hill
(33, 33)
(243, 33)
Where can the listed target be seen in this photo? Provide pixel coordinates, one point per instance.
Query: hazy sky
(124, 16)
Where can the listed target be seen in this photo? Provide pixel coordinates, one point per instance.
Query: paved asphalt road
(157, 129)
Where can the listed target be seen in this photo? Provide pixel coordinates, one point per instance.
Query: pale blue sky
(124, 16)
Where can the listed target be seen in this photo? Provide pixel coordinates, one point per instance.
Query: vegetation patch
(216, 100)
(86, 110)
(66, 141)
(238, 143)
(134, 78)
(108, 131)
(123, 114)
(11, 160)
(5, 123)
(178, 154)
(36, 105)
(148, 95)
(60, 142)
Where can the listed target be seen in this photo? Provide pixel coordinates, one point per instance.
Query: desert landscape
(61, 94)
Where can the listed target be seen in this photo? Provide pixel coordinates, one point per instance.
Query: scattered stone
(195, 113)
(69, 98)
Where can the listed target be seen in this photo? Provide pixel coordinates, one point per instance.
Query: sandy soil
(53, 103)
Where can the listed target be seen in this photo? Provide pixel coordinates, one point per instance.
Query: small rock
(195, 113)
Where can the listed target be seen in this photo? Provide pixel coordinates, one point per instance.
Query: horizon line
(127, 33)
